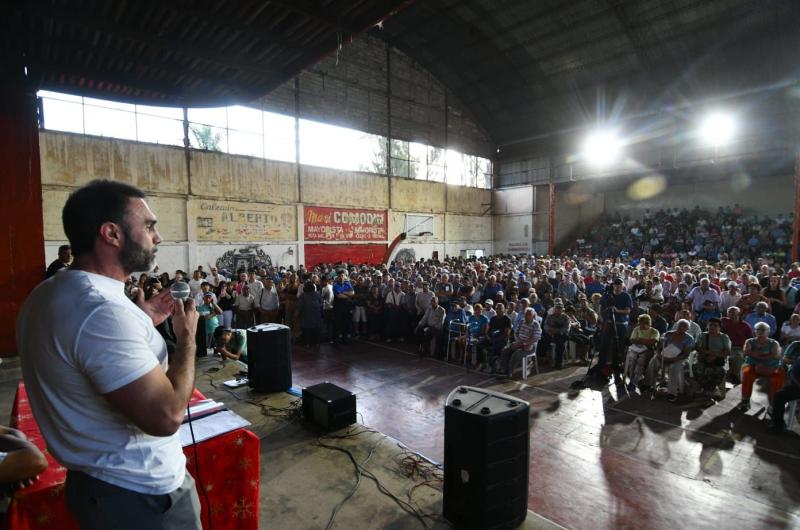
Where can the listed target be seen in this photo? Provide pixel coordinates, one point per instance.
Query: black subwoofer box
(329, 406)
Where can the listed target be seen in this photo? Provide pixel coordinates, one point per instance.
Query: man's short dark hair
(63, 248)
(715, 320)
(87, 208)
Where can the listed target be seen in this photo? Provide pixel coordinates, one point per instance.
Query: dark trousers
(426, 335)
(311, 336)
(330, 323)
(788, 393)
(560, 340)
(341, 312)
(392, 322)
(98, 505)
(613, 346)
(375, 323)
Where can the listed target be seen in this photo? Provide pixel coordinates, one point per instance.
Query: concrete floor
(599, 458)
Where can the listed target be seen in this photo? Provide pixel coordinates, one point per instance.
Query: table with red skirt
(229, 466)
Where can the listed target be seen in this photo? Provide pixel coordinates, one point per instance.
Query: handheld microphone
(179, 291)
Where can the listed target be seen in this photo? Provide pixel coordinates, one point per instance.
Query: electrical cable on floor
(291, 412)
(359, 474)
(361, 470)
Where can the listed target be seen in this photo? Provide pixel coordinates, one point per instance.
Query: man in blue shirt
(616, 306)
(342, 293)
(760, 315)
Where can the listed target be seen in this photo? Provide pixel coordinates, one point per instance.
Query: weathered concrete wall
(227, 202)
(417, 196)
(333, 187)
(73, 160)
(243, 177)
(352, 89)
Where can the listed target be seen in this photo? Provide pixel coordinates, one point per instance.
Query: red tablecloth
(229, 465)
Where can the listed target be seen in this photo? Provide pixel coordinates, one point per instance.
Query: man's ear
(111, 234)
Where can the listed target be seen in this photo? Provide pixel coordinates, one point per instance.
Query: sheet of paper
(211, 426)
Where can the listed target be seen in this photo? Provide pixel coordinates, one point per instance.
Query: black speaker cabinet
(329, 406)
(486, 459)
(269, 358)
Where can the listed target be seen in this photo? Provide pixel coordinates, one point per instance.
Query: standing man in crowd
(99, 385)
(269, 305)
(616, 306)
(63, 261)
(342, 294)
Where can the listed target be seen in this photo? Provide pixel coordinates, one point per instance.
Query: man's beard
(134, 258)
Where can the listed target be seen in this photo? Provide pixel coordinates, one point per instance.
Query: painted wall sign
(344, 224)
(242, 222)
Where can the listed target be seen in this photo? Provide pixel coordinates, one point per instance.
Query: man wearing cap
(616, 307)
(489, 309)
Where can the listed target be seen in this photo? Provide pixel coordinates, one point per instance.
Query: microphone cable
(197, 467)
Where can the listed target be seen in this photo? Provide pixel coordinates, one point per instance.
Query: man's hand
(184, 320)
(158, 308)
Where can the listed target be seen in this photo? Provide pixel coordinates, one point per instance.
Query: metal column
(551, 225)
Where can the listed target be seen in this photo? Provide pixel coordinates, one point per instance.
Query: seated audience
(713, 348)
(761, 359)
(643, 339)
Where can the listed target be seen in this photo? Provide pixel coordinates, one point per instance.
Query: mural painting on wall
(243, 259)
(405, 255)
(344, 224)
(237, 221)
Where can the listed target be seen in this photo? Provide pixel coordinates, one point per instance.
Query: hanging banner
(355, 254)
(344, 224)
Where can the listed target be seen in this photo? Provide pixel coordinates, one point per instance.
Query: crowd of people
(729, 234)
(694, 325)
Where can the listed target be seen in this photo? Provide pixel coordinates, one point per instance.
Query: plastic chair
(526, 358)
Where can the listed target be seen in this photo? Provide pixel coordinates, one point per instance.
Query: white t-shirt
(194, 286)
(79, 338)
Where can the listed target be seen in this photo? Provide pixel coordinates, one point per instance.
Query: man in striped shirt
(525, 339)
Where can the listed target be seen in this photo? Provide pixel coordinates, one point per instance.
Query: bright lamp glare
(718, 128)
(601, 148)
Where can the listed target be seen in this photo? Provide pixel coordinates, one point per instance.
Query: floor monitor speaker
(486, 459)
(269, 358)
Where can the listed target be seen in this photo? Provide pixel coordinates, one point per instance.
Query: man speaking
(96, 369)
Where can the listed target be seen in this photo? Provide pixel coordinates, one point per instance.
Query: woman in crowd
(290, 301)
(776, 298)
(643, 339)
(762, 358)
(209, 316)
(225, 298)
(309, 307)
